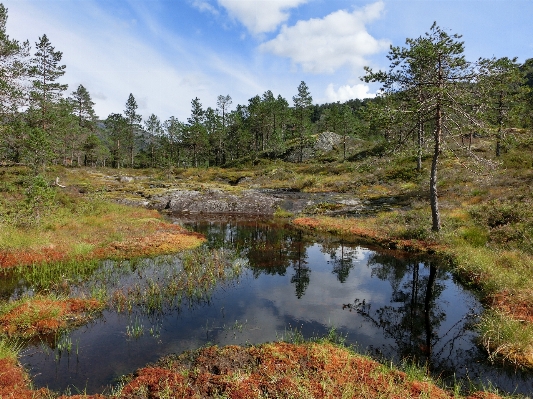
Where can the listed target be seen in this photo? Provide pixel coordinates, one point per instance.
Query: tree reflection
(414, 315)
(269, 248)
(301, 271)
(342, 257)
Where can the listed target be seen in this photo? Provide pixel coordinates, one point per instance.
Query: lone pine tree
(432, 84)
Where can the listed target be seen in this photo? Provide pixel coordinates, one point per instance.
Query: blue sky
(167, 52)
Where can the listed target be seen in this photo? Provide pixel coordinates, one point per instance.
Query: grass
(92, 229)
(167, 284)
(487, 237)
(507, 338)
(40, 315)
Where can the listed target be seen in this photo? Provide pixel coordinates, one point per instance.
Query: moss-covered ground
(487, 237)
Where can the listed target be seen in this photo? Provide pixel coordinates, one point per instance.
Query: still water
(390, 305)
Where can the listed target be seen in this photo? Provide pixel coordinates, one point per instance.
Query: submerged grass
(170, 283)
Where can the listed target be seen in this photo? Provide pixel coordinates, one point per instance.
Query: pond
(388, 304)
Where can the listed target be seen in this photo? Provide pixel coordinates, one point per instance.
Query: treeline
(41, 124)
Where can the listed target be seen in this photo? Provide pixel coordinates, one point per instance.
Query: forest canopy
(45, 122)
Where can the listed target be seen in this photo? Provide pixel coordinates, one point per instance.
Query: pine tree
(117, 129)
(133, 125)
(504, 90)
(302, 109)
(13, 69)
(174, 137)
(46, 109)
(431, 80)
(45, 70)
(83, 110)
(13, 91)
(196, 131)
(223, 104)
(83, 107)
(154, 131)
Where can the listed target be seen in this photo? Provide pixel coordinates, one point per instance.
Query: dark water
(388, 304)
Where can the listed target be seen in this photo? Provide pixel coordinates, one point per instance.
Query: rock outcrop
(248, 202)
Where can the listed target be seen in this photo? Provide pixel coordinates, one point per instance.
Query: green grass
(508, 339)
(10, 348)
(486, 209)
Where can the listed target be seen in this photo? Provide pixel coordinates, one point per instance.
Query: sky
(168, 52)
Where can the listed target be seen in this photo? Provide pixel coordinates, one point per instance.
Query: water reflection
(396, 307)
(416, 312)
(342, 259)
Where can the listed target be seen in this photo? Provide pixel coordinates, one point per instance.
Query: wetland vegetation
(88, 241)
(470, 245)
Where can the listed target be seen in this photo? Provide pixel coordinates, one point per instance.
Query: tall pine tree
(83, 111)
(13, 94)
(431, 80)
(45, 108)
(302, 113)
(133, 125)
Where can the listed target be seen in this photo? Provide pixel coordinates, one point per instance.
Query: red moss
(277, 370)
(14, 383)
(512, 306)
(44, 315)
(29, 257)
(156, 379)
(157, 243)
(97, 396)
(272, 370)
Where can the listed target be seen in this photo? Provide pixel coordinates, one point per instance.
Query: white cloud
(324, 45)
(204, 6)
(260, 16)
(347, 92)
(117, 59)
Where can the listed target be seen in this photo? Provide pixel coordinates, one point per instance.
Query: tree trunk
(419, 144)
(500, 126)
(435, 215)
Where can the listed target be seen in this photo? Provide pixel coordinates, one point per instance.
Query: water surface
(391, 305)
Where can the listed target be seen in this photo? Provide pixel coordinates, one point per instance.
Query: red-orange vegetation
(156, 379)
(45, 315)
(32, 256)
(97, 396)
(154, 237)
(354, 228)
(277, 370)
(512, 306)
(166, 241)
(14, 383)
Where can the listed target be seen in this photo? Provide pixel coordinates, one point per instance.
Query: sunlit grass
(507, 338)
(95, 228)
(44, 314)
